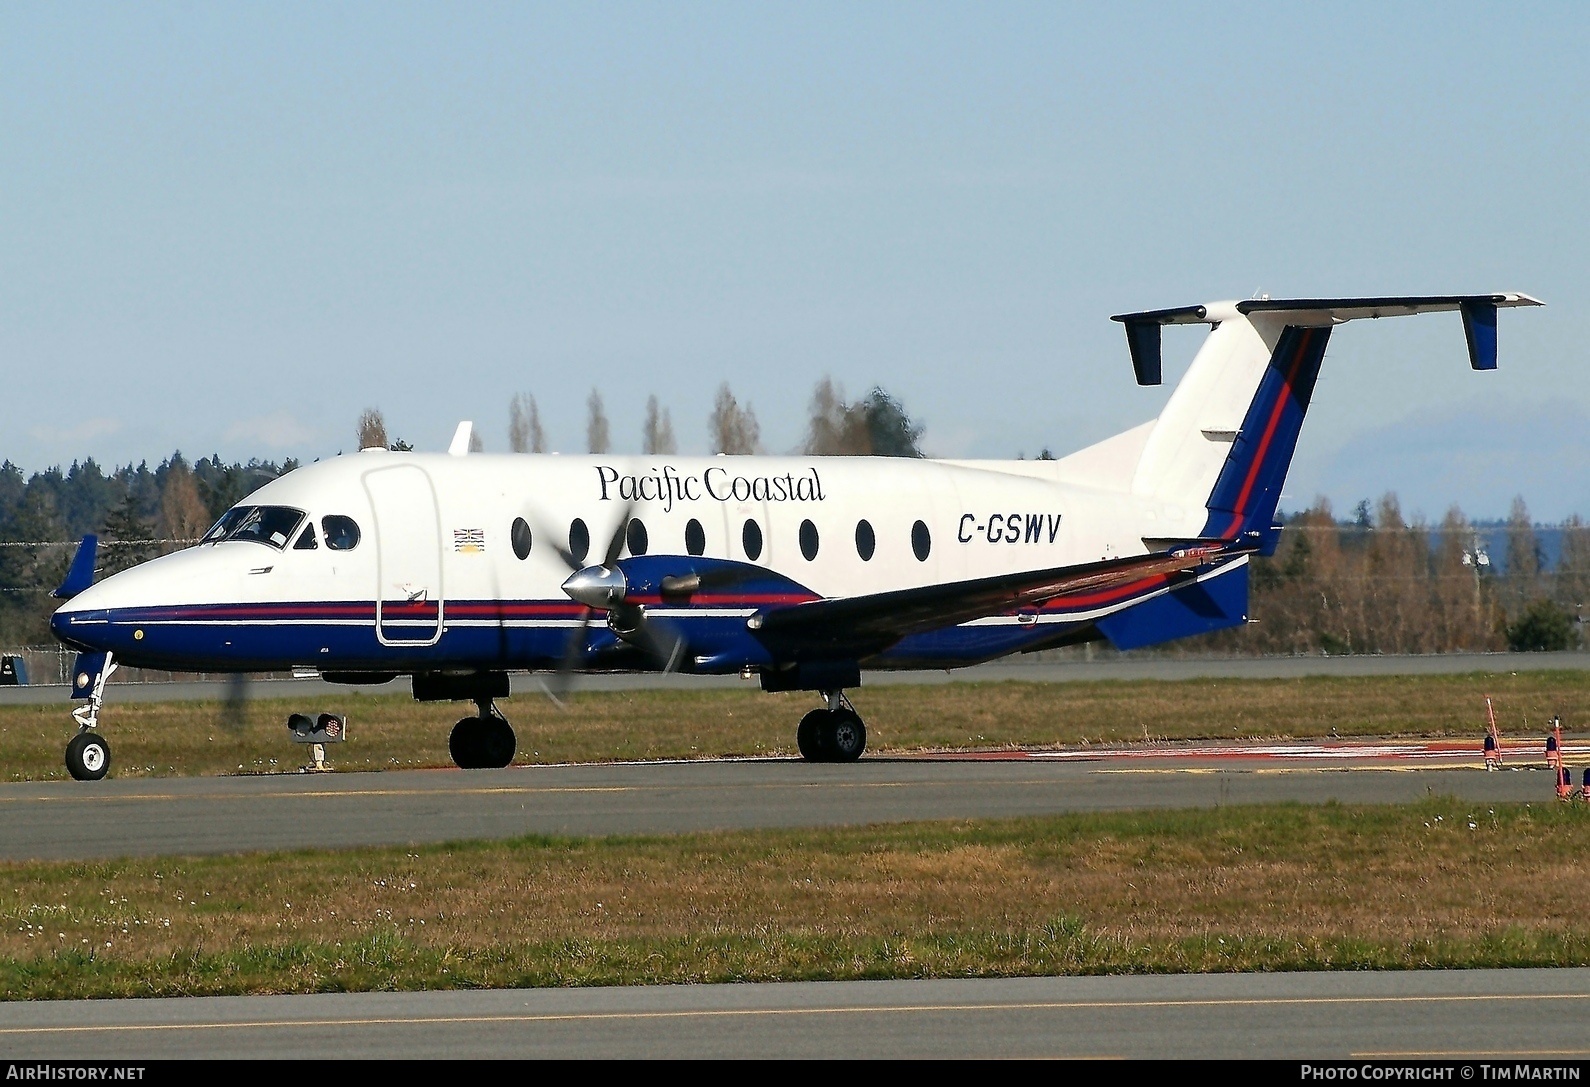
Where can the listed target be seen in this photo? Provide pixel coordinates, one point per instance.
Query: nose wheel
(833, 734)
(87, 756)
(483, 742)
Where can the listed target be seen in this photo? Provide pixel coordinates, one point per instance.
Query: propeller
(600, 587)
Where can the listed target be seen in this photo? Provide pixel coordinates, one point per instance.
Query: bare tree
(1573, 570)
(372, 429)
(183, 514)
(835, 428)
(1524, 556)
(733, 429)
(597, 438)
(875, 425)
(659, 432)
(524, 425)
(475, 444)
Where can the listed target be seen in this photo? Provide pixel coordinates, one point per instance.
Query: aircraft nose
(59, 623)
(72, 624)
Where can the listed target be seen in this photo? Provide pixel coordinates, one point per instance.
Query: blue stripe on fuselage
(1249, 486)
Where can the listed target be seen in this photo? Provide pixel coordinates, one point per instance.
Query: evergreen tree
(31, 568)
(890, 429)
(1543, 627)
(128, 538)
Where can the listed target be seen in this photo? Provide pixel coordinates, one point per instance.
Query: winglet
(1142, 337)
(460, 444)
(1479, 326)
(81, 574)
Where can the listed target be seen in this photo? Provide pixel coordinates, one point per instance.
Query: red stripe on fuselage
(1269, 431)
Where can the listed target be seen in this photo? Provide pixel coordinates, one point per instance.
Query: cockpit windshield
(271, 525)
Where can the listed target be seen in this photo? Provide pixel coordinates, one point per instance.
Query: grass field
(1439, 884)
(194, 738)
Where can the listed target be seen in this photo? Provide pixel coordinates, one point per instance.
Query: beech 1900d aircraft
(457, 569)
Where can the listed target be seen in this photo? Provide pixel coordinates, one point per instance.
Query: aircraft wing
(865, 624)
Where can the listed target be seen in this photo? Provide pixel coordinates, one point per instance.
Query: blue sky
(232, 227)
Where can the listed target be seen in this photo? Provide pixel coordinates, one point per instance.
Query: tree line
(138, 511)
(875, 425)
(1379, 583)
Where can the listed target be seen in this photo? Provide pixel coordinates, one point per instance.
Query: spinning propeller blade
(234, 707)
(561, 683)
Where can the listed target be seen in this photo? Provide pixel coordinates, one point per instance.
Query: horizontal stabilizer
(1478, 310)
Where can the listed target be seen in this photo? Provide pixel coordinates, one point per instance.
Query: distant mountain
(1478, 457)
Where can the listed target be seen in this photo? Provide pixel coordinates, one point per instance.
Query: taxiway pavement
(1461, 1015)
(160, 816)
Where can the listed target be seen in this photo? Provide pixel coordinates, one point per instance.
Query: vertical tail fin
(1226, 437)
(1246, 492)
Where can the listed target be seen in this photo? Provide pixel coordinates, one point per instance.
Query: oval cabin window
(637, 536)
(866, 541)
(519, 536)
(751, 538)
(921, 541)
(579, 540)
(695, 538)
(808, 540)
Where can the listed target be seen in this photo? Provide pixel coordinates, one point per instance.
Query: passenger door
(408, 532)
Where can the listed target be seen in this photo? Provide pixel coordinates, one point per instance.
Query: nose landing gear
(833, 734)
(88, 755)
(482, 742)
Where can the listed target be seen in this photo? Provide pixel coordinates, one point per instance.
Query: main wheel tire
(87, 756)
(467, 744)
(809, 736)
(498, 743)
(845, 738)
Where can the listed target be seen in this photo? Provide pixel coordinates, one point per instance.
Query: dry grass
(1281, 887)
(191, 738)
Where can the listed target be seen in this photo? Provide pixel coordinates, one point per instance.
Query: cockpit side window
(226, 524)
(342, 533)
(270, 525)
(306, 539)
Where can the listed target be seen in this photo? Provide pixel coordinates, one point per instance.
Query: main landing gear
(485, 741)
(833, 734)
